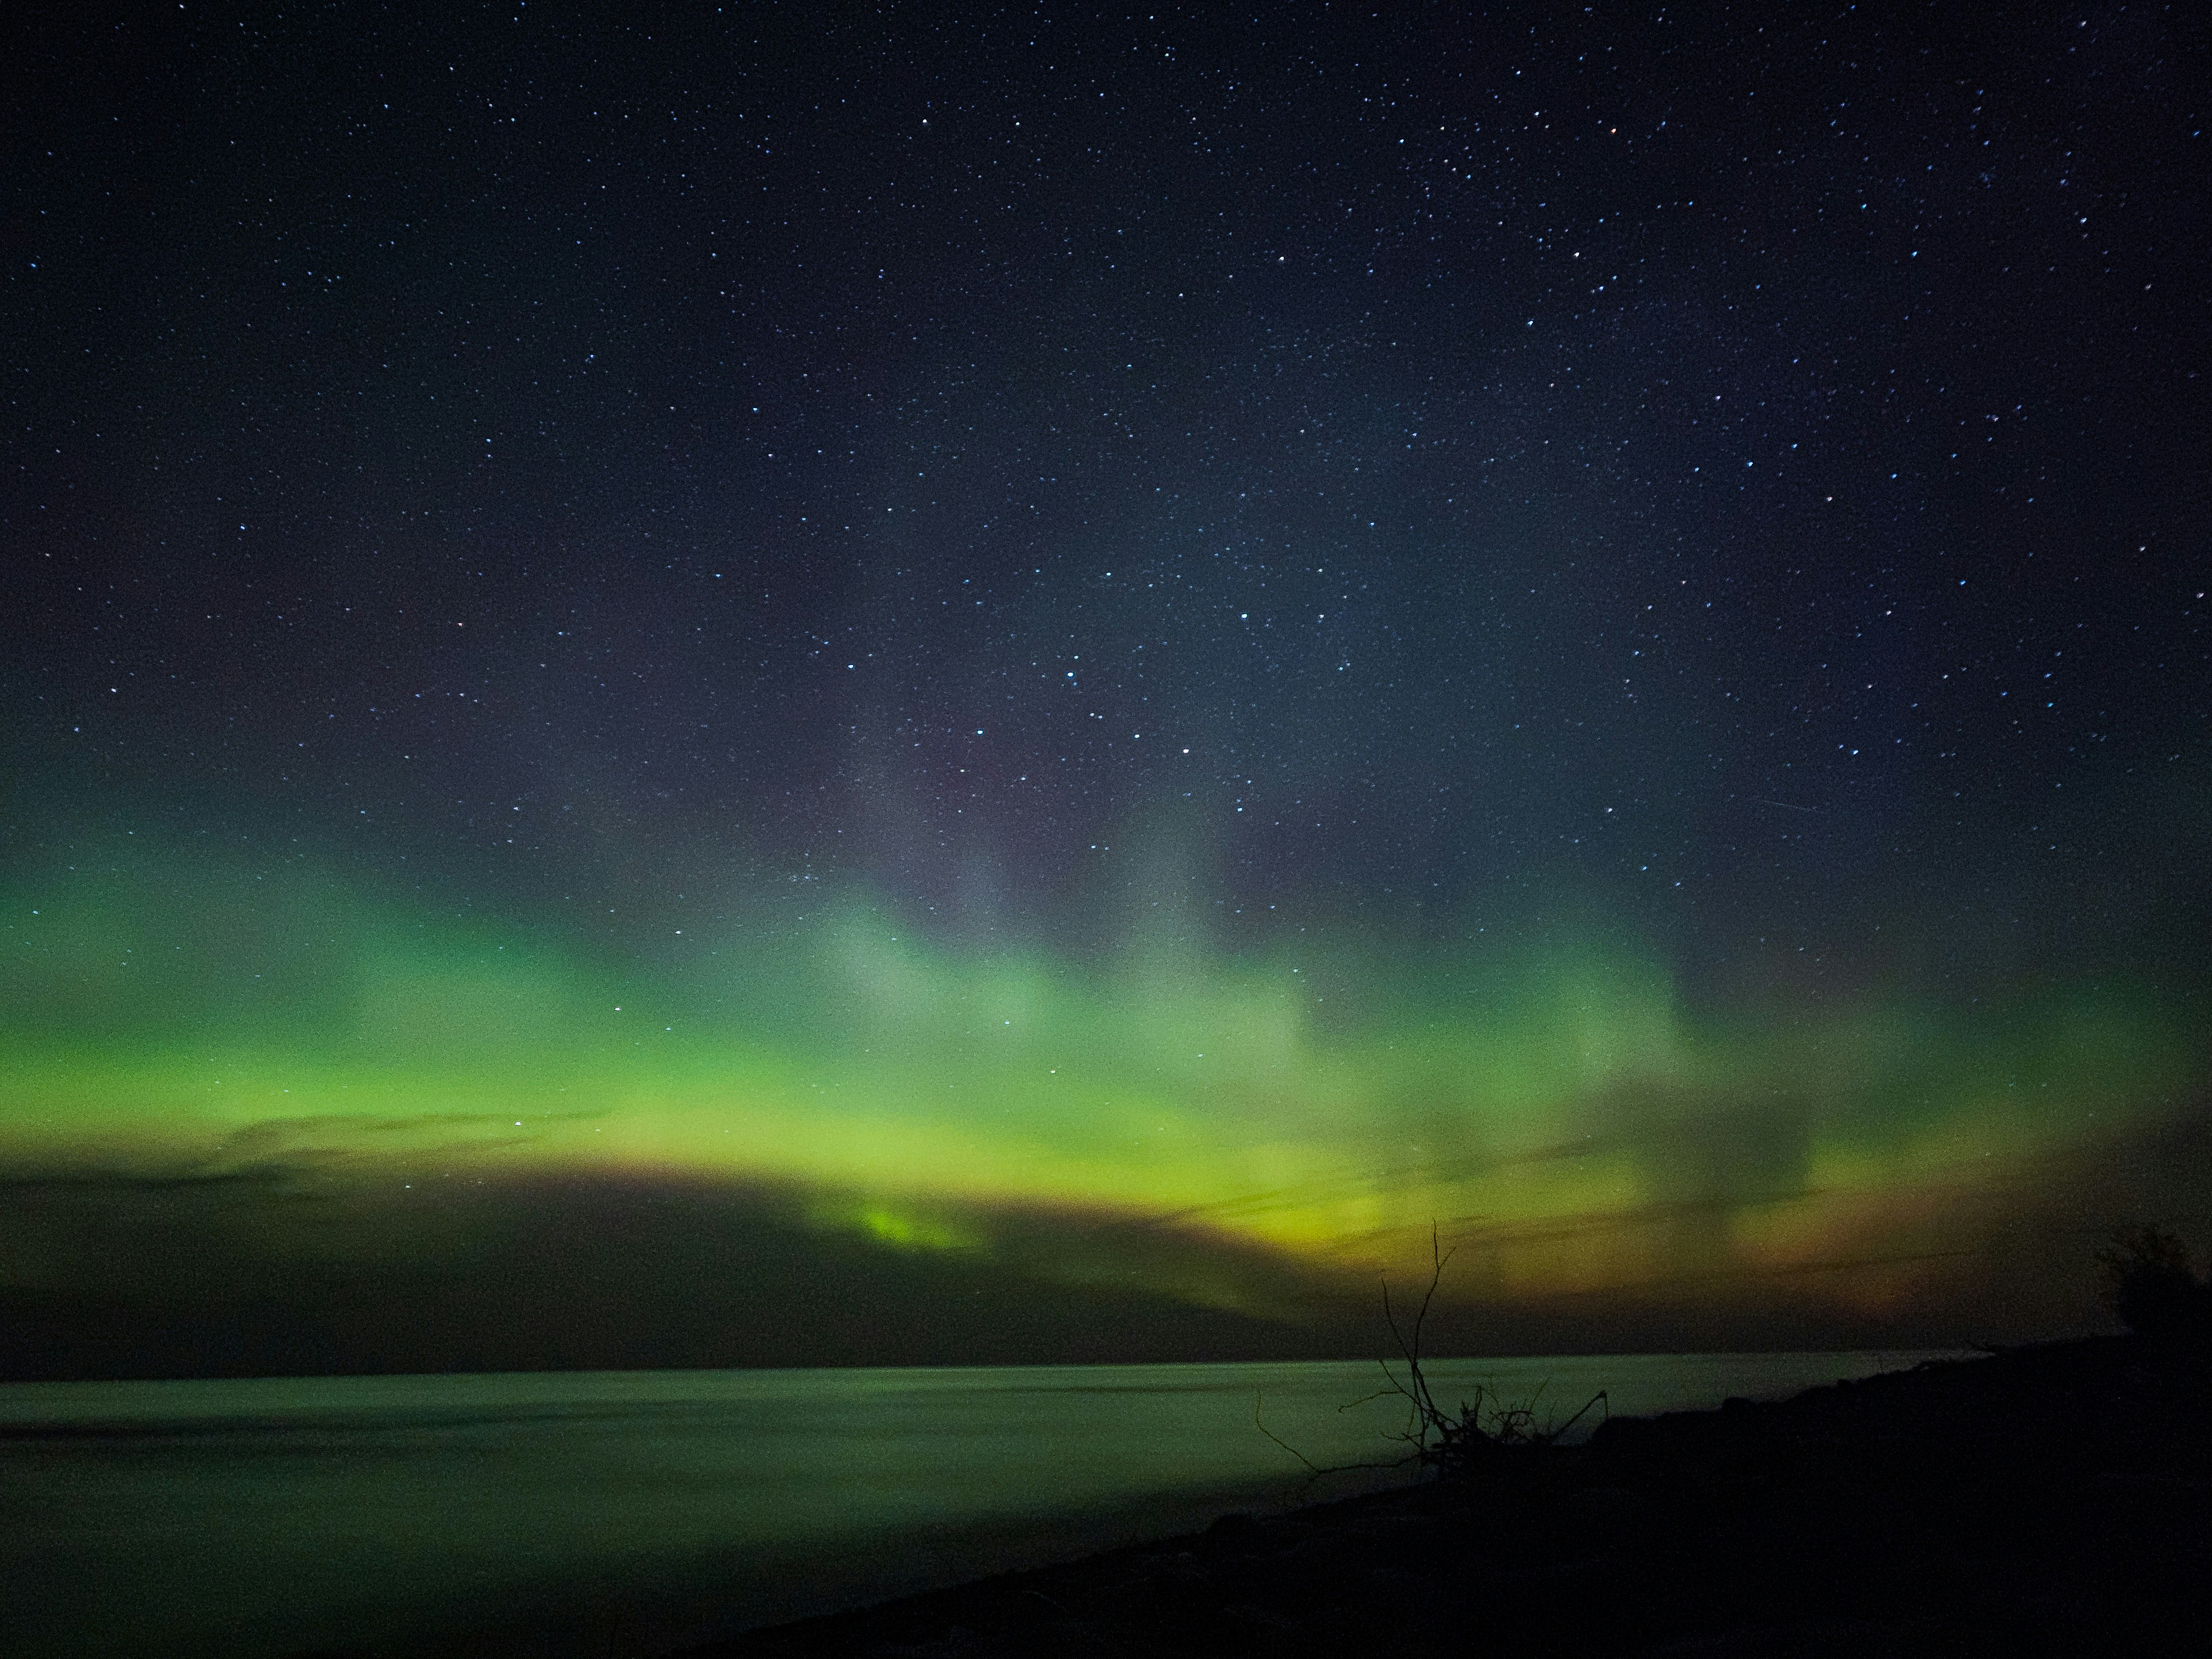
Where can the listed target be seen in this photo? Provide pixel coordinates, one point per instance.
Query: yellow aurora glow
(1558, 1109)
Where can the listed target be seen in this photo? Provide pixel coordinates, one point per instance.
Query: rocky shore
(2055, 1500)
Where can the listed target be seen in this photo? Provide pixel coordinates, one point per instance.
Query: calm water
(625, 1512)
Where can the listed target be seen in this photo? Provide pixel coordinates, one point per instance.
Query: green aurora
(1260, 1132)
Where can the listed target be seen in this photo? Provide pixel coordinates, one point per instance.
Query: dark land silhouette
(2051, 1499)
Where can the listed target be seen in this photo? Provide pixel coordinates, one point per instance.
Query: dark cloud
(294, 1268)
(234, 1276)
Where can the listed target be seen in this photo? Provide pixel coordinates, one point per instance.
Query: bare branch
(1316, 1471)
(1599, 1398)
(1447, 1442)
(1312, 1467)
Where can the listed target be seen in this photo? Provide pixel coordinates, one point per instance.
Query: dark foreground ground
(2047, 1500)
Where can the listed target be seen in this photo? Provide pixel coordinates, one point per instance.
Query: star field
(1171, 607)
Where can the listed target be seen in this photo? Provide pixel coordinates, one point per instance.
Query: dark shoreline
(2054, 1499)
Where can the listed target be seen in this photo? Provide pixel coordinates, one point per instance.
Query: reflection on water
(599, 1512)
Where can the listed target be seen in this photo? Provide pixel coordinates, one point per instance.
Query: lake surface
(623, 1513)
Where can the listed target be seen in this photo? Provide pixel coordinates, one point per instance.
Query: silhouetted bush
(2153, 1286)
(1454, 1445)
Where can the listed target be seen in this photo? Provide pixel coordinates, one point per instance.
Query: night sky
(810, 685)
